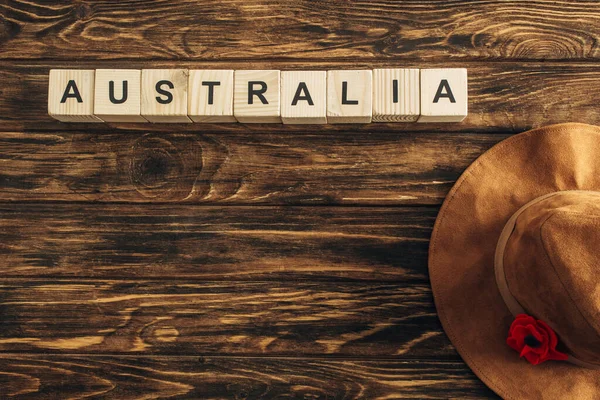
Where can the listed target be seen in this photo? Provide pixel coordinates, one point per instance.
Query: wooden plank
(234, 317)
(215, 243)
(242, 29)
(503, 97)
(76, 377)
(333, 169)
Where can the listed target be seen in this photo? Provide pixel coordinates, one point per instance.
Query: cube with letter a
(118, 95)
(304, 97)
(71, 95)
(164, 95)
(256, 96)
(443, 95)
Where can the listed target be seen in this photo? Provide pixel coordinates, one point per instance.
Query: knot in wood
(8, 29)
(156, 166)
(83, 11)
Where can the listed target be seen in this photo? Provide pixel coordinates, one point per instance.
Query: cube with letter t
(256, 96)
(71, 95)
(164, 95)
(210, 97)
(443, 95)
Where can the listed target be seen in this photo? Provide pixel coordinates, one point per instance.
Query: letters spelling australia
(259, 96)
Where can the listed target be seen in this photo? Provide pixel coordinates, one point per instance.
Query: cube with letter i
(443, 95)
(304, 97)
(210, 97)
(349, 96)
(164, 95)
(71, 95)
(256, 96)
(396, 95)
(118, 95)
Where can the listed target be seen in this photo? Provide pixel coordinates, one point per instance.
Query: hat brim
(461, 255)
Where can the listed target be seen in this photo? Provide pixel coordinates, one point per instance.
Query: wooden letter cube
(396, 95)
(164, 95)
(118, 95)
(256, 96)
(210, 97)
(349, 96)
(443, 95)
(71, 95)
(304, 97)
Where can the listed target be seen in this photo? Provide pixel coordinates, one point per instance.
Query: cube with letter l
(349, 96)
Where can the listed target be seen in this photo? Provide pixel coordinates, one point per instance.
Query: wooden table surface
(234, 261)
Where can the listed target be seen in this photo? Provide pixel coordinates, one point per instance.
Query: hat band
(513, 305)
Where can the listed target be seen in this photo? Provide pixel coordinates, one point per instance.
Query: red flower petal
(523, 319)
(533, 358)
(525, 326)
(550, 333)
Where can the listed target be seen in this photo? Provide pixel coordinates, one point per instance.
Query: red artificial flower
(534, 340)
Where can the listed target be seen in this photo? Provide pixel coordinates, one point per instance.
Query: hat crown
(551, 264)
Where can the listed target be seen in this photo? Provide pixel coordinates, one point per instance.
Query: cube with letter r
(256, 96)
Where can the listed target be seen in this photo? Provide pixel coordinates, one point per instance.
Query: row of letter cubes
(258, 96)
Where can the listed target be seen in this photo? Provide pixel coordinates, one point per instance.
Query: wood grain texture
(248, 318)
(233, 261)
(215, 243)
(503, 97)
(76, 377)
(276, 169)
(259, 29)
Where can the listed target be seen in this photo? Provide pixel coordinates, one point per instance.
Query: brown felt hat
(515, 264)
